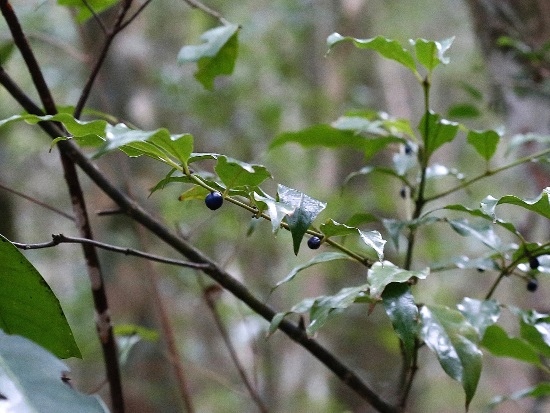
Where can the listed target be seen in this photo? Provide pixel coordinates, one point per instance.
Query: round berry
(314, 243)
(534, 263)
(532, 285)
(213, 200)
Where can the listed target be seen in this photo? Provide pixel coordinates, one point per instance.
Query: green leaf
(481, 214)
(83, 12)
(539, 205)
(448, 334)
(332, 228)
(318, 259)
(484, 232)
(372, 239)
(390, 49)
(216, 56)
(74, 126)
(305, 211)
(499, 344)
(6, 50)
(480, 314)
(383, 273)
(430, 53)
(403, 313)
(436, 132)
(540, 390)
(484, 142)
(32, 382)
(330, 137)
(276, 210)
(237, 174)
(535, 329)
(463, 110)
(29, 307)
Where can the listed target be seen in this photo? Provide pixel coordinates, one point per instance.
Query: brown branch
(218, 274)
(103, 320)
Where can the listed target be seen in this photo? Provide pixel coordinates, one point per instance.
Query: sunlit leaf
(436, 131)
(28, 306)
(403, 313)
(383, 273)
(539, 205)
(305, 211)
(390, 49)
(276, 210)
(449, 335)
(480, 314)
(374, 240)
(430, 53)
(216, 56)
(32, 382)
(484, 142)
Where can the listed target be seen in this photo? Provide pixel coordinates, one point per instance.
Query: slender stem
(198, 5)
(95, 15)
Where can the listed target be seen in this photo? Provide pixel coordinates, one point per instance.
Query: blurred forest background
(282, 81)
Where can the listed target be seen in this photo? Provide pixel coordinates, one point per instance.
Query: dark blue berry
(534, 263)
(213, 200)
(314, 243)
(532, 285)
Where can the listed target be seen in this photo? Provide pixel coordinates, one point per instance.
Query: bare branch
(96, 16)
(198, 5)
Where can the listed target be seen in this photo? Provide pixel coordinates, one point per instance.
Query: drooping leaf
(403, 313)
(453, 339)
(374, 240)
(28, 306)
(430, 53)
(390, 49)
(480, 314)
(237, 174)
(31, 381)
(540, 390)
(276, 210)
(484, 142)
(305, 211)
(383, 273)
(539, 205)
(83, 9)
(330, 137)
(319, 258)
(216, 56)
(436, 131)
(500, 344)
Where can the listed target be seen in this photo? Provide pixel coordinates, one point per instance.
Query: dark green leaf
(535, 329)
(499, 344)
(216, 56)
(539, 205)
(32, 381)
(403, 313)
(6, 49)
(481, 214)
(390, 49)
(276, 210)
(319, 258)
(463, 110)
(29, 307)
(237, 174)
(361, 218)
(383, 273)
(430, 53)
(447, 333)
(480, 314)
(305, 211)
(436, 131)
(484, 142)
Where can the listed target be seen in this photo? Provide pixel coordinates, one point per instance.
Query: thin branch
(62, 239)
(37, 202)
(133, 17)
(198, 5)
(210, 295)
(226, 280)
(96, 16)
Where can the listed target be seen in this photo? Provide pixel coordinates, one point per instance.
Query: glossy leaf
(332, 228)
(305, 211)
(390, 49)
(383, 273)
(31, 381)
(480, 213)
(500, 344)
(484, 142)
(539, 205)
(484, 232)
(535, 329)
(480, 314)
(237, 174)
(318, 259)
(330, 137)
(436, 132)
(28, 306)
(276, 210)
(372, 239)
(83, 12)
(448, 334)
(430, 53)
(216, 56)
(403, 313)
